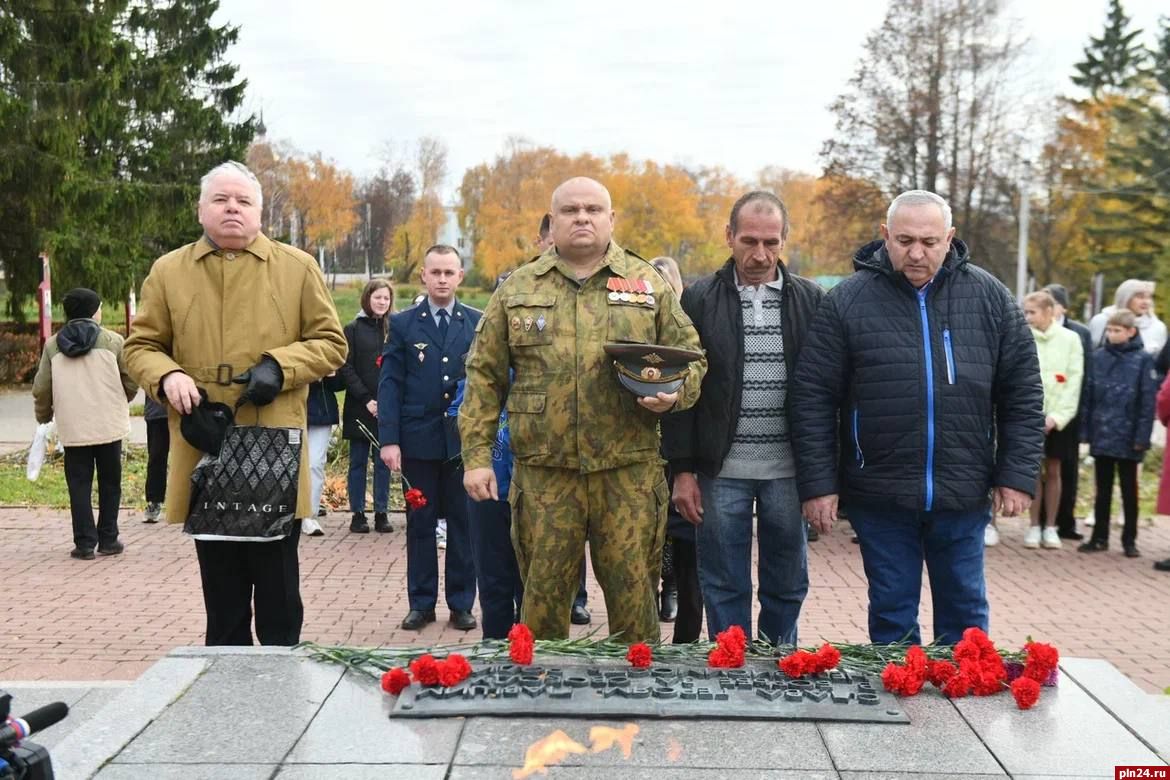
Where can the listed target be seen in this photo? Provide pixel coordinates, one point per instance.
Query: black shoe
(1162, 565)
(113, 548)
(358, 525)
(416, 618)
(668, 606)
(580, 616)
(82, 553)
(1074, 535)
(811, 533)
(463, 620)
(1131, 551)
(321, 511)
(1093, 545)
(381, 524)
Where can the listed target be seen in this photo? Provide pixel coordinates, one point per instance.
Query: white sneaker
(1049, 540)
(990, 536)
(311, 527)
(1032, 538)
(1089, 521)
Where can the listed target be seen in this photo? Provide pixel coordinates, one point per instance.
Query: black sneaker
(1076, 536)
(321, 512)
(358, 524)
(381, 524)
(1131, 551)
(113, 548)
(82, 553)
(1093, 546)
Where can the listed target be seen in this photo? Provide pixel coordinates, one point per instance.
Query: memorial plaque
(657, 692)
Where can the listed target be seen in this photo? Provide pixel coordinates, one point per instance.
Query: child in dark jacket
(1118, 418)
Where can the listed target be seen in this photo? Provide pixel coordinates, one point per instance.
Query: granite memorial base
(275, 713)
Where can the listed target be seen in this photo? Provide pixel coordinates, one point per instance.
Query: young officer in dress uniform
(421, 367)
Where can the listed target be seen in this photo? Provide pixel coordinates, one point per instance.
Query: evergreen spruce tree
(111, 111)
(1115, 59)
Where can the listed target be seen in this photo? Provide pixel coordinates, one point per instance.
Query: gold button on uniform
(230, 255)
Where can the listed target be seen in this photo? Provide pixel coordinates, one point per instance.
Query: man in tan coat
(237, 315)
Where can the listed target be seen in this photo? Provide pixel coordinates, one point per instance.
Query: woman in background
(366, 337)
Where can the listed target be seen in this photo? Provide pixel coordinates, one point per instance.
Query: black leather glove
(264, 381)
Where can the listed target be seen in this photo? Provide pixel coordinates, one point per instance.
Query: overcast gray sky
(737, 84)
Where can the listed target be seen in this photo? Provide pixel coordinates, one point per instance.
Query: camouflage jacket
(565, 404)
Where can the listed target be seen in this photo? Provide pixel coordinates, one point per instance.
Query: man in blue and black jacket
(918, 407)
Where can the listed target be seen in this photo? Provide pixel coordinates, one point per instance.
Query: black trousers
(582, 598)
(1127, 475)
(79, 468)
(501, 590)
(235, 573)
(442, 484)
(1070, 469)
(689, 622)
(158, 449)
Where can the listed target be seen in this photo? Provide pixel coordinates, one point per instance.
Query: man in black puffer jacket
(917, 395)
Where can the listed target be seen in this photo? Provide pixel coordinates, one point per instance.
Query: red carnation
(415, 498)
(378, 361)
(1026, 691)
(520, 631)
(639, 655)
(521, 644)
(732, 638)
(425, 669)
(895, 679)
(722, 658)
(729, 653)
(938, 672)
(797, 665)
(827, 657)
(395, 681)
(957, 685)
(1059, 378)
(1042, 661)
(453, 670)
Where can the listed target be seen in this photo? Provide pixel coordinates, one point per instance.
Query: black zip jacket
(917, 399)
(699, 438)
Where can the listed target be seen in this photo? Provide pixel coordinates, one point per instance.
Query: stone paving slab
(937, 736)
(354, 727)
(658, 743)
(84, 700)
(363, 772)
(1066, 733)
(264, 702)
(643, 773)
(1149, 716)
(187, 772)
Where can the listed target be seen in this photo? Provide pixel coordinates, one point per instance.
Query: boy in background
(82, 381)
(1118, 418)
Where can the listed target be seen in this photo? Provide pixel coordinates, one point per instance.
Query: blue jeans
(359, 457)
(894, 545)
(724, 542)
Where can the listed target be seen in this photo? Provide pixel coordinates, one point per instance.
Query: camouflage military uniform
(587, 462)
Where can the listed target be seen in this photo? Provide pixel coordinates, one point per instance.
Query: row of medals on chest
(624, 290)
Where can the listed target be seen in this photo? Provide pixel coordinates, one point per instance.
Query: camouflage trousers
(622, 512)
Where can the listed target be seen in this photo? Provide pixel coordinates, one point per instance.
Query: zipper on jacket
(950, 356)
(929, 397)
(857, 437)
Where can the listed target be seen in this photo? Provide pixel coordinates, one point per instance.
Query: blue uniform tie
(443, 325)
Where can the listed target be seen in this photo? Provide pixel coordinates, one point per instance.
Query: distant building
(451, 235)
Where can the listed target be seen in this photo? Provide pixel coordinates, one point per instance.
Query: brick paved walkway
(111, 618)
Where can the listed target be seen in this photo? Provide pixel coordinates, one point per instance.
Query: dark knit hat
(80, 302)
(1058, 293)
